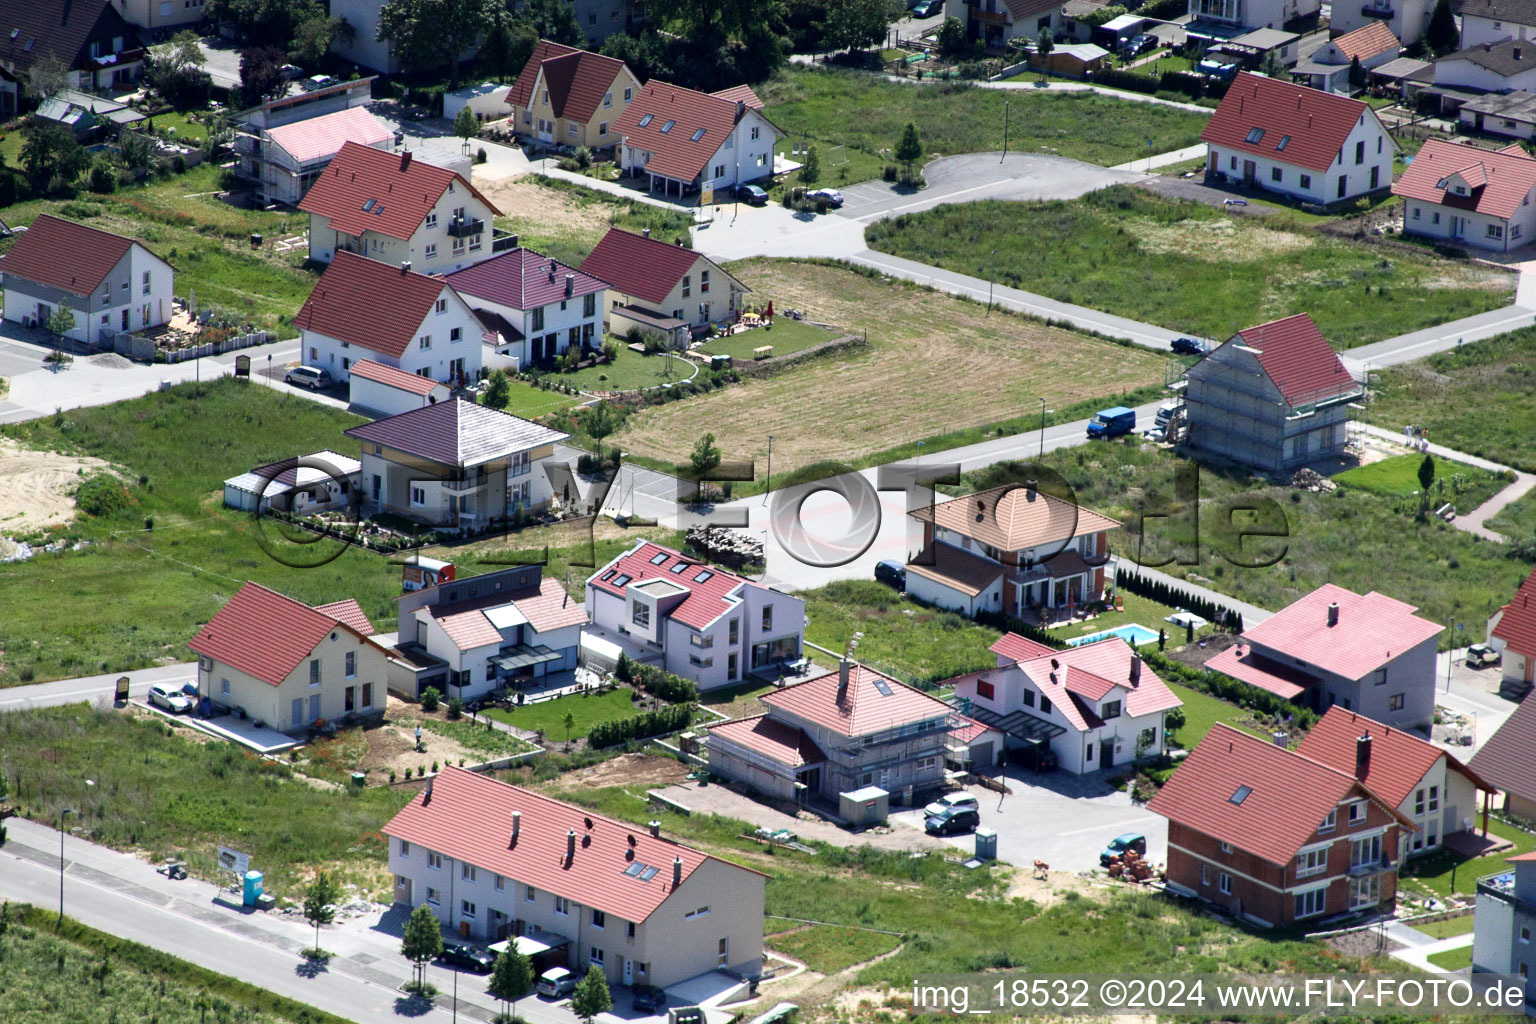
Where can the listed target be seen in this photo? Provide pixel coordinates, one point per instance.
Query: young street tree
(1044, 45)
(498, 391)
(810, 171)
(600, 421)
(428, 34)
(320, 904)
(909, 149)
(61, 321)
(466, 126)
(591, 996)
(511, 979)
(705, 457)
(422, 941)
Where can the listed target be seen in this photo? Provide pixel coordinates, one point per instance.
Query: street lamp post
(62, 813)
(1042, 428)
(770, 470)
(991, 282)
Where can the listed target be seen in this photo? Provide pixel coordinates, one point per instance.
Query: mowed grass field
(935, 364)
(1190, 267)
(205, 239)
(866, 115)
(1479, 399)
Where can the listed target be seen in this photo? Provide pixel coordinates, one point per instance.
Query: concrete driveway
(1062, 819)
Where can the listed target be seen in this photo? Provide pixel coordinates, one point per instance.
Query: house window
(499, 883)
(418, 497)
(1495, 231)
(435, 861)
(646, 120)
(1416, 213)
(734, 628)
(703, 282)
(1306, 181)
(719, 170)
(1254, 135)
(640, 615)
(1111, 709)
(146, 282)
(224, 687)
(1365, 851)
(1395, 702)
(367, 695)
(456, 334)
(767, 618)
(467, 872)
(562, 906)
(405, 848)
(424, 342)
(466, 909)
(1360, 152)
(351, 662)
(755, 130)
(695, 913)
(628, 94)
(607, 99)
(538, 319)
(597, 957)
(1436, 218)
(1418, 802)
(666, 129)
(1088, 754)
(687, 285)
(1356, 813)
(1434, 798)
(1275, 174)
(1311, 862)
(629, 930)
(1148, 738)
(1525, 933)
(431, 221)
(1224, 883)
(314, 673)
(1029, 697)
(530, 893)
(602, 128)
(458, 247)
(1045, 704)
(1205, 874)
(573, 130)
(926, 763)
(599, 919)
(985, 690)
(698, 662)
(589, 304)
(1311, 902)
(1226, 847)
(433, 896)
(431, 252)
(725, 955)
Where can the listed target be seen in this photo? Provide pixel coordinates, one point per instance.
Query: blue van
(1108, 423)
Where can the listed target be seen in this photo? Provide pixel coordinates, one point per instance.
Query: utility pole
(1005, 129)
(1042, 428)
(991, 283)
(62, 813)
(769, 489)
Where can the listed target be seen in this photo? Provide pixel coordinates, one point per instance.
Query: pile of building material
(728, 547)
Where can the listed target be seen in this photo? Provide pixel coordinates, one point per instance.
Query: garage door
(981, 754)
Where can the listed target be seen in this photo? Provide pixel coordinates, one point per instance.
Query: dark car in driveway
(751, 195)
(468, 958)
(1036, 755)
(893, 573)
(955, 820)
(648, 999)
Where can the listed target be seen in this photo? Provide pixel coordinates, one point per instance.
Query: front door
(402, 890)
(1106, 753)
(1250, 171)
(125, 319)
(629, 971)
(314, 707)
(298, 712)
(456, 369)
(732, 667)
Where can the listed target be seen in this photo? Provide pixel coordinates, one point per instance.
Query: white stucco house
(661, 288)
(682, 140)
(1468, 195)
(536, 306)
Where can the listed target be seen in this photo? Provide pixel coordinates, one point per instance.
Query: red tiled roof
(1245, 665)
(1367, 41)
(774, 740)
(1372, 629)
(578, 81)
(63, 254)
(971, 731)
(323, 136)
(743, 93)
(547, 608)
(403, 191)
(707, 599)
(639, 266)
(1508, 757)
(1398, 759)
(1020, 648)
(1014, 518)
(1094, 668)
(1296, 356)
(551, 608)
(522, 279)
(1314, 124)
(1499, 181)
(1522, 858)
(388, 375)
(469, 818)
(349, 613)
(959, 570)
(373, 305)
(522, 90)
(1290, 795)
(265, 634)
(466, 628)
(674, 151)
(863, 709)
(1517, 626)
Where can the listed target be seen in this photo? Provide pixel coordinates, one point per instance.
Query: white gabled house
(1310, 145)
(536, 307)
(1469, 195)
(684, 140)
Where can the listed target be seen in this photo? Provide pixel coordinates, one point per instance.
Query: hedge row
(1228, 689)
(652, 723)
(1192, 85)
(657, 682)
(1178, 597)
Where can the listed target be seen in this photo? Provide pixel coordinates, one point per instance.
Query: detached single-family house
(1010, 549)
(288, 665)
(91, 38)
(1405, 19)
(311, 483)
(512, 627)
(1275, 837)
(1096, 706)
(395, 209)
(87, 116)
(1512, 632)
(1503, 923)
(569, 97)
(1274, 397)
(1427, 785)
(694, 620)
(1492, 21)
(154, 15)
(1469, 195)
(537, 306)
(1296, 141)
(389, 314)
(1329, 67)
(572, 888)
(995, 22)
(1363, 652)
(1505, 66)
(659, 288)
(110, 283)
(839, 733)
(684, 140)
(1507, 759)
(381, 390)
(1213, 20)
(455, 464)
(285, 160)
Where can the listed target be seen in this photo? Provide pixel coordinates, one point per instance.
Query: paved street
(98, 690)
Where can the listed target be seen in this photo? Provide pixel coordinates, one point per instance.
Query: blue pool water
(1134, 634)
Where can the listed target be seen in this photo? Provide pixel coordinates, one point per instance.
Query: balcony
(465, 227)
(503, 241)
(1378, 10)
(468, 483)
(1371, 867)
(1501, 887)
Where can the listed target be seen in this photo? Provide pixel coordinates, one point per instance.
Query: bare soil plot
(934, 364)
(37, 487)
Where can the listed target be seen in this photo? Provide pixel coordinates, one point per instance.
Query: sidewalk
(1419, 956)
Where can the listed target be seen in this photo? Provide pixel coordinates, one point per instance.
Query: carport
(1019, 725)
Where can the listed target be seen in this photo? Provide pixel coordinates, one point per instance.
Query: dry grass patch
(1215, 241)
(37, 487)
(935, 364)
(540, 209)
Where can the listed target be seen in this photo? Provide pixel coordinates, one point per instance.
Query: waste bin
(252, 888)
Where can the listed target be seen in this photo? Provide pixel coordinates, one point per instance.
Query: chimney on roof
(405, 161)
(426, 796)
(551, 271)
(570, 846)
(405, 266)
(842, 679)
(677, 872)
(517, 824)
(1333, 613)
(655, 827)
(1363, 755)
(570, 284)
(1135, 669)
(1516, 53)
(1487, 47)
(741, 109)
(1029, 489)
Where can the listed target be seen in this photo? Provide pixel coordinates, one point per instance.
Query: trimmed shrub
(652, 723)
(663, 684)
(429, 698)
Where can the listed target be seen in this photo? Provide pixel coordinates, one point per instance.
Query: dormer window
(1254, 135)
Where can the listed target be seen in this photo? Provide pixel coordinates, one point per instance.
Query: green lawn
(157, 792)
(51, 974)
(1453, 959)
(829, 949)
(586, 709)
(530, 401)
(1139, 611)
(479, 738)
(187, 130)
(786, 336)
(1191, 267)
(1518, 519)
(1447, 927)
(1201, 713)
(629, 371)
(1434, 871)
(1474, 399)
(1398, 477)
(866, 114)
(206, 240)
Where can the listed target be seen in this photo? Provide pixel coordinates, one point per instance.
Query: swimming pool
(1134, 634)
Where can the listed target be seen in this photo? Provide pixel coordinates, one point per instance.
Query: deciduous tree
(704, 458)
(427, 34)
(909, 148)
(511, 979)
(1426, 472)
(1441, 34)
(857, 24)
(554, 20)
(261, 74)
(591, 996)
(320, 904)
(422, 940)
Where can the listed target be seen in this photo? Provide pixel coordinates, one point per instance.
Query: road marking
(1100, 828)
